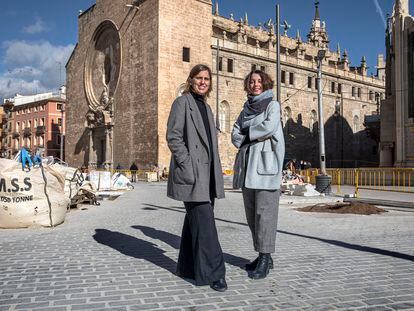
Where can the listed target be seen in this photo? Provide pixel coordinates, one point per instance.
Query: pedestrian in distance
(195, 177)
(133, 168)
(258, 167)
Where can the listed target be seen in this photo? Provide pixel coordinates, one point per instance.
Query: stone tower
(318, 35)
(124, 73)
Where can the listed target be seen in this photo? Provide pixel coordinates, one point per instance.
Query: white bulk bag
(33, 198)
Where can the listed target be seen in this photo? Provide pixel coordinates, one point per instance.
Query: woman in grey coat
(258, 135)
(196, 179)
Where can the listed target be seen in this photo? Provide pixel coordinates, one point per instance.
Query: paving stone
(322, 262)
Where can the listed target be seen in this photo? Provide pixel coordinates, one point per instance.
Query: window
(371, 95)
(377, 96)
(253, 68)
(316, 83)
(287, 114)
(230, 65)
(35, 108)
(313, 119)
(339, 88)
(359, 92)
(59, 107)
(17, 126)
(309, 82)
(186, 54)
(356, 124)
(224, 117)
(220, 64)
(263, 68)
(283, 76)
(29, 124)
(332, 87)
(353, 91)
(59, 121)
(291, 78)
(35, 122)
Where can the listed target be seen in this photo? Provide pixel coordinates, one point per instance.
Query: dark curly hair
(267, 81)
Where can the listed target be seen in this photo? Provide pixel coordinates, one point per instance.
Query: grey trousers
(262, 207)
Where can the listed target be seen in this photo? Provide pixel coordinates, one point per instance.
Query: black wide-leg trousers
(201, 257)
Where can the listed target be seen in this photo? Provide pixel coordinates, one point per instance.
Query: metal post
(62, 137)
(323, 181)
(217, 86)
(321, 125)
(278, 78)
(342, 128)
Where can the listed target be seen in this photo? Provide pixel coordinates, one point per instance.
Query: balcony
(27, 132)
(15, 134)
(40, 130)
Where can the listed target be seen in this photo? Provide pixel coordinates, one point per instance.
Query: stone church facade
(132, 59)
(397, 119)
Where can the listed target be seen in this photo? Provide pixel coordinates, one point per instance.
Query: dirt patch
(343, 208)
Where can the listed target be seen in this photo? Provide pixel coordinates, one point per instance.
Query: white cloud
(33, 67)
(380, 12)
(37, 27)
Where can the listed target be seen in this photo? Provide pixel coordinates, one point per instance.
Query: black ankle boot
(262, 268)
(252, 265)
(220, 285)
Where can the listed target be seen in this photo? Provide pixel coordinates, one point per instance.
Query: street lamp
(323, 180)
(62, 136)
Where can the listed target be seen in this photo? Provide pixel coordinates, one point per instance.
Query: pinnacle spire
(246, 20)
(317, 15)
(216, 12)
(298, 38)
(338, 49)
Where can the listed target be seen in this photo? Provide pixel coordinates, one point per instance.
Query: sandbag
(73, 179)
(33, 198)
(121, 182)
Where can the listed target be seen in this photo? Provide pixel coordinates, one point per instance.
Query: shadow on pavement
(333, 242)
(354, 246)
(134, 247)
(174, 241)
(180, 210)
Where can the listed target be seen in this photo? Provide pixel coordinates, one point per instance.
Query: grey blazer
(263, 169)
(189, 176)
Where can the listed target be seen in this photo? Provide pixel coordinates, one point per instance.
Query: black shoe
(262, 268)
(252, 265)
(220, 285)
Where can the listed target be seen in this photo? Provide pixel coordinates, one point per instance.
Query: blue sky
(38, 36)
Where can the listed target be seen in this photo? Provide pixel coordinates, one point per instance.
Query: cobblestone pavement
(122, 256)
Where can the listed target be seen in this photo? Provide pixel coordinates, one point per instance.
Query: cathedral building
(133, 57)
(397, 110)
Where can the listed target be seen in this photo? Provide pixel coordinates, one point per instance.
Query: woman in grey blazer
(258, 135)
(196, 179)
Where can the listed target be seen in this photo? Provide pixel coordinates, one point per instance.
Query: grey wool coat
(263, 168)
(189, 176)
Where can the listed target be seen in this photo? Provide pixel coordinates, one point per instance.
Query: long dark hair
(195, 71)
(267, 81)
